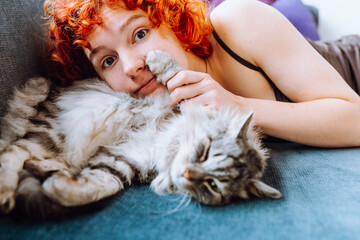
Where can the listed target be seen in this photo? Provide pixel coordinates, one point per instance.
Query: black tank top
(278, 94)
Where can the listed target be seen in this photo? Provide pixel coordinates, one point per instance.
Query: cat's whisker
(183, 204)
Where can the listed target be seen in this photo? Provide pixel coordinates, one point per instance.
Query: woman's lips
(148, 87)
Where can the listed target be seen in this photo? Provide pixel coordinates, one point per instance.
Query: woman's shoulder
(247, 26)
(231, 9)
(241, 24)
(241, 15)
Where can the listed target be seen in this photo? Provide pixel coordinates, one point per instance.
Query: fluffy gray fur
(162, 65)
(70, 147)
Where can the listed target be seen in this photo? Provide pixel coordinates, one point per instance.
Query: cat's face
(222, 162)
(220, 169)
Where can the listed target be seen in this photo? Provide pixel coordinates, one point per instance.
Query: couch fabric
(22, 44)
(321, 201)
(321, 187)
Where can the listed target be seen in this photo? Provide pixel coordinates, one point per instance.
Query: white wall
(337, 17)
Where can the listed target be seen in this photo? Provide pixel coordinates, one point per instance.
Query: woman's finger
(203, 99)
(183, 78)
(193, 89)
(186, 92)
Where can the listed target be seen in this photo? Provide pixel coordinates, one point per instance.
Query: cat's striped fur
(74, 146)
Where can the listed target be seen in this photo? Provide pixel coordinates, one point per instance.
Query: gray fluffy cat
(74, 146)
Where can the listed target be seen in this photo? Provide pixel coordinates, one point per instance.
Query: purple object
(297, 13)
(214, 3)
(268, 1)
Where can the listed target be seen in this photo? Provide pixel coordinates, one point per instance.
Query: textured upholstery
(321, 187)
(22, 44)
(321, 190)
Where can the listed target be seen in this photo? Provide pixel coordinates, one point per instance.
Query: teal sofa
(321, 187)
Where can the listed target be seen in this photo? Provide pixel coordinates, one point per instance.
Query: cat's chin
(181, 184)
(162, 184)
(165, 184)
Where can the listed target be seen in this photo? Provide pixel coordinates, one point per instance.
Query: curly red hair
(71, 21)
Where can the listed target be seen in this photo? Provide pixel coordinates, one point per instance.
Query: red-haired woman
(245, 54)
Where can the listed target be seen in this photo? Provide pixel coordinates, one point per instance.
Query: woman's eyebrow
(94, 51)
(130, 20)
(121, 29)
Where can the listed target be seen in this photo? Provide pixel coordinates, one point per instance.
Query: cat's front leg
(11, 162)
(101, 179)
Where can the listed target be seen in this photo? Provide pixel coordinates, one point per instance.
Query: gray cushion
(22, 44)
(321, 201)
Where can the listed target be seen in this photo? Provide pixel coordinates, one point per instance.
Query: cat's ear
(238, 129)
(245, 127)
(260, 189)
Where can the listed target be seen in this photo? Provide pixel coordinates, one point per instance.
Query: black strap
(278, 94)
(234, 55)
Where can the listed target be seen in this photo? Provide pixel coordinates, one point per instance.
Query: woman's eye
(213, 185)
(140, 35)
(108, 62)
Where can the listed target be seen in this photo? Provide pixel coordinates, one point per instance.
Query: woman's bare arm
(325, 112)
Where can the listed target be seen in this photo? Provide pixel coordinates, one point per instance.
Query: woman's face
(119, 46)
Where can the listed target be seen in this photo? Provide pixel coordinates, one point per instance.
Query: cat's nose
(193, 175)
(186, 174)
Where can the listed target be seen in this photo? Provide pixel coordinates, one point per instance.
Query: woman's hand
(200, 88)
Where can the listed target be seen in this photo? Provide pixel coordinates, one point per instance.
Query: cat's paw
(7, 200)
(57, 188)
(3, 144)
(37, 90)
(8, 184)
(90, 186)
(162, 65)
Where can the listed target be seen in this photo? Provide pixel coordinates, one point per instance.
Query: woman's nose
(133, 65)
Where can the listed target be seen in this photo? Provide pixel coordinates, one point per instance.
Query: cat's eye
(140, 34)
(213, 185)
(108, 62)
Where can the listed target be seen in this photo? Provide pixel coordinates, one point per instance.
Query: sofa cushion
(22, 44)
(321, 201)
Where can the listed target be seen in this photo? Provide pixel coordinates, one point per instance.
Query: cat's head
(221, 158)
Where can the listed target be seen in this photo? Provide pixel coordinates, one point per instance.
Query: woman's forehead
(119, 15)
(119, 19)
(114, 21)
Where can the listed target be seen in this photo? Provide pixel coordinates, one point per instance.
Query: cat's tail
(31, 202)
(21, 108)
